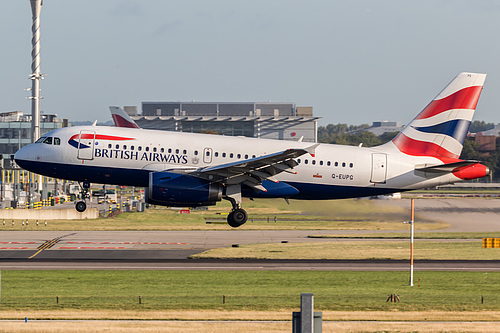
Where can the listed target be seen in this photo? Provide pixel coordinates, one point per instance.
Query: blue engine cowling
(172, 189)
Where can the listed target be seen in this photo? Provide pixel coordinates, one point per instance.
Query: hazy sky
(353, 61)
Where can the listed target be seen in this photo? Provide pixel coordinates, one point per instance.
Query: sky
(353, 61)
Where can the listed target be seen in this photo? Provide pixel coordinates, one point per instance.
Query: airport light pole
(36, 76)
(412, 231)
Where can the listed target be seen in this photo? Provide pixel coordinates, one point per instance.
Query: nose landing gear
(81, 205)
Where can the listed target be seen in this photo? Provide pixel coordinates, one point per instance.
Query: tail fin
(121, 118)
(440, 129)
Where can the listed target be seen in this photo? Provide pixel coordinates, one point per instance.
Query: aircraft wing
(252, 172)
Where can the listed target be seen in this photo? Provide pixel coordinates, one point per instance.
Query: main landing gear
(237, 216)
(81, 205)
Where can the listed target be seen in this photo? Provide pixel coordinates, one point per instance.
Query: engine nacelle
(172, 189)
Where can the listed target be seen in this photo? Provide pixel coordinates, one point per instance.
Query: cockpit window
(57, 141)
(48, 140)
(41, 139)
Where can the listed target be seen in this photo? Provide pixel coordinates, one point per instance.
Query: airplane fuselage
(123, 156)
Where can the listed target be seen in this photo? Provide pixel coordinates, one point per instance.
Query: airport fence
(248, 302)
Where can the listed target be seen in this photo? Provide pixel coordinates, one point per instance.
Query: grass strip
(418, 235)
(392, 250)
(246, 291)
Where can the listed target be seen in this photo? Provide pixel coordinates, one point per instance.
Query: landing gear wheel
(81, 206)
(237, 218)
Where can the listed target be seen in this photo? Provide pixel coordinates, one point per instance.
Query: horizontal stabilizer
(446, 168)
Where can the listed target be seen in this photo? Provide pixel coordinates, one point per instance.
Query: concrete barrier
(49, 214)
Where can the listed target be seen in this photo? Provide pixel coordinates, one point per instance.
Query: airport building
(15, 131)
(282, 121)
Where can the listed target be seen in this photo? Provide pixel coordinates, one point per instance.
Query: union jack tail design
(121, 118)
(440, 129)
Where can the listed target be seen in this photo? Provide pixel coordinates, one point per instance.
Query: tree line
(353, 135)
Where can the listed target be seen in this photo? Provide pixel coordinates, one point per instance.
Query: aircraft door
(207, 155)
(86, 145)
(379, 168)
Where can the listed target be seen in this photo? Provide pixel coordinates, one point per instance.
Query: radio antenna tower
(36, 7)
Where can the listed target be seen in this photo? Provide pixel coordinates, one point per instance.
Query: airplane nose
(21, 156)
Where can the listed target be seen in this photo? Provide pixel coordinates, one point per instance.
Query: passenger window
(177, 151)
(336, 164)
(239, 155)
(109, 145)
(124, 147)
(207, 153)
(328, 163)
(169, 150)
(184, 152)
(57, 141)
(351, 165)
(320, 162)
(343, 164)
(147, 148)
(253, 156)
(131, 147)
(223, 154)
(117, 146)
(48, 140)
(246, 156)
(154, 149)
(306, 161)
(314, 162)
(139, 148)
(195, 153)
(216, 154)
(231, 155)
(298, 161)
(162, 150)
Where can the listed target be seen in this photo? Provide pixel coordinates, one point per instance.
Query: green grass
(392, 250)
(256, 290)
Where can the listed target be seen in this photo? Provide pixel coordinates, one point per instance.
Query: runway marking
(132, 243)
(14, 248)
(17, 242)
(47, 245)
(90, 247)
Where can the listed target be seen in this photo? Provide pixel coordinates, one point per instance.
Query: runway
(170, 250)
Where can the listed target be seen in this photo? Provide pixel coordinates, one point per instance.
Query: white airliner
(186, 169)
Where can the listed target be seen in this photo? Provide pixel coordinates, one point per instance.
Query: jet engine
(172, 189)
